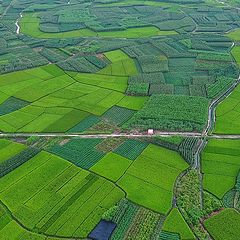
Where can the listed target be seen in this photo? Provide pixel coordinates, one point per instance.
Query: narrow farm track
(17, 24)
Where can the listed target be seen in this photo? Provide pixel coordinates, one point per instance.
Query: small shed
(150, 131)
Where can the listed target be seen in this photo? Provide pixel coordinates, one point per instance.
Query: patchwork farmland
(119, 120)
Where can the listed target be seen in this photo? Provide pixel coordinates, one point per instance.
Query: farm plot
(112, 81)
(234, 35)
(225, 155)
(121, 64)
(175, 223)
(9, 149)
(85, 124)
(224, 225)
(151, 64)
(17, 160)
(117, 115)
(111, 166)
(47, 99)
(132, 102)
(80, 152)
(236, 52)
(131, 148)
(227, 114)
(89, 98)
(176, 113)
(12, 104)
(81, 64)
(219, 87)
(138, 89)
(48, 194)
(30, 26)
(231, 199)
(150, 179)
(13, 230)
(133, 221)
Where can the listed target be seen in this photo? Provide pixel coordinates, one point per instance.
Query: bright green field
(117, 83)
(224, 154)
(8, 149)
(234, 35)
(116, 55)
(13, 230)
(224, 225)
(228, 113)
(236, 54)
(55, 197)
(150, 179)
(30, 26)
(58, 101)
(111, 166)
(122, 64)
(176, 223)
(132, 102)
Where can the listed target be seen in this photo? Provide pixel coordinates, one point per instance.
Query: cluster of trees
(172, 112)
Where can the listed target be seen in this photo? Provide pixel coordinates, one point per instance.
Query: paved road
(161, 134)
(115, 135)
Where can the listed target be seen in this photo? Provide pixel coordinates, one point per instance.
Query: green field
(143, 2)
(176, 223)
(224, 225)
(9, 149)
(46, 190)
(121, 65)
(228, 112)
(13, 230)
(174, 113)
(58, 101)
(129, 164)
(152, 187)
(235, 52)
(234, 35)
(112, 166)
(83, 83)
(30, 26)
(225, 155)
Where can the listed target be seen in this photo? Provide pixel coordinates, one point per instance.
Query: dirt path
(17, 24)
